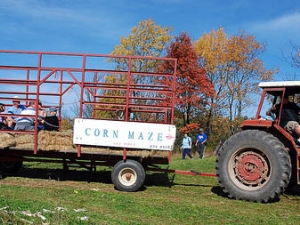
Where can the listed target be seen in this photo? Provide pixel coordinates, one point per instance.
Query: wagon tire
(253, 165)
(128, 175)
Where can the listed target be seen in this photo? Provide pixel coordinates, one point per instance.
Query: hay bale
(130, 152)
(64, 138)
(47, 141)
(24, 141)
(57, 148)
(24, 138)
(95, 149)
(62, 141)
(148, 153)
(7, 140)
(53, 140)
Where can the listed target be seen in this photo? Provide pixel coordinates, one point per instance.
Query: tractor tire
(10, 167)
(128, 175)
(253, 165)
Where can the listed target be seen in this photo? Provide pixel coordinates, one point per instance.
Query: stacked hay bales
(59, 141)
(62, 141)
(47, 140)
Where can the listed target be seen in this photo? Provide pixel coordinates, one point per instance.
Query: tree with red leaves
(193, 86)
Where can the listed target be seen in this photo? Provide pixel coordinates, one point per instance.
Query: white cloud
(32, 16)
(287, 23)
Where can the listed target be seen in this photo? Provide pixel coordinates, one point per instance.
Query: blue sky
(94, 26)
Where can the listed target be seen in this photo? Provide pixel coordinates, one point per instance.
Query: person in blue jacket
(201, 139)
(16, 108)
(186, 146)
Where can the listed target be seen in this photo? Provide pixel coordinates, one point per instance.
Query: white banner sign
(124, 134)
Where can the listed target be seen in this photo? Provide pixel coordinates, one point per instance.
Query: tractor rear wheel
(253, 165)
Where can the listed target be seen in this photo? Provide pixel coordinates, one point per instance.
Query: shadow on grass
(103, 176)
(295, 190)
(218, 191)
(289, 193)
(160, 179)
(62, 175)
(167, 180)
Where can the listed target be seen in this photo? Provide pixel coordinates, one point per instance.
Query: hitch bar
(184, 172)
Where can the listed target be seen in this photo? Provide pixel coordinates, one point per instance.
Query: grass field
(43, 194)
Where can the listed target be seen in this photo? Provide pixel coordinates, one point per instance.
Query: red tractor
(258, 163)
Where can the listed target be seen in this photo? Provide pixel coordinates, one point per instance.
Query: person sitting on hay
(26, 123)
(50, 121)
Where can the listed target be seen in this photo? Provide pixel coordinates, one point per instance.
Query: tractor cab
(270, 120)
(274, 92)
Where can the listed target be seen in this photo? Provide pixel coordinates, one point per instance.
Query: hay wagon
(113, 111)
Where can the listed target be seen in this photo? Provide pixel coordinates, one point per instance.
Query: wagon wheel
(128, 175)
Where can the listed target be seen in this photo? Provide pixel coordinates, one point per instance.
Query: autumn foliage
(192, 86)
(234, 68)
(216, 75)
(146, 39)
